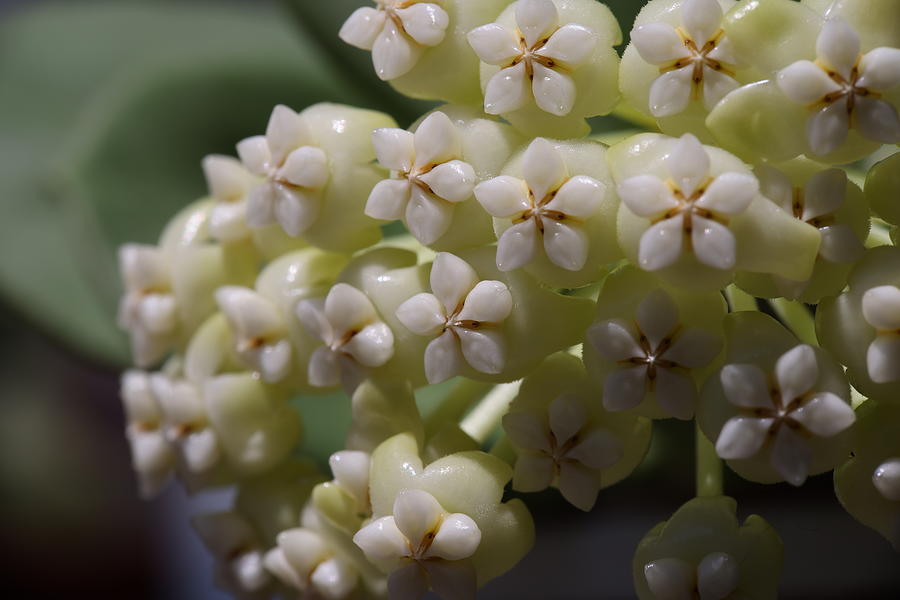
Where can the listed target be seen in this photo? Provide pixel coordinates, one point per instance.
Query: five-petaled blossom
(306, 561)
(536, 57)
(689, 208)
(152, 458)
(294, 170)
(464, 314)
(427, 177)
(259, 330)
(355, 337)
(843, 88)
(397, 33)
(229, 183)
(562, 447)
(693, 59)
(548, 206)
(424, 546)
(186, 422)
(148, 310)
(716, 576)
(881, 310)
(784, 410)
(653, 354)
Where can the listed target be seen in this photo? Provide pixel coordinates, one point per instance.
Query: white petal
(658, 43)
(261, 205)
(311, 313)
(388, 199)
(527, 431)
(578, 485)
(657, 316)
(158, 313)
(676, 394)
(250, 572)
(427, 216)
(775, 185)
(877, 120)
(422, 314)
(285, 132)
(503, 196)
(883, 358)
(714, 244)
(688, 164)
(425, 22)
(362, 27)
(348, 309)
(250, 314)
(536, 19)
(742, 437)
(228, 221)
(791, 456)
(201, 450)
(373, 346)
(824, 415)
(443, 358)
(517, 246)
(827, 128)
(824, 193)
(671, 579)
(614, 339)
(661, 244)
(436, 140)
(718, 575)
(382, 540)
(295, 210)
(599, 449)
(143, 267)
(351, 471)
(879, 70)
(452, 580)
(746, 386)
(323, 369)
(533, 472)
(494, 44)
(805, 82)
(303, 549)
(225, 177)
(150, 452)
(571, 45)
(625, 388)
(452, 279)
(647, 196)
(701, 19)
(275, 361)
(306, 167)
(838, 46)
(416, 513)
(255, 154)
(579, 197)
(452, 181)
(393, 53)
(544, 168)
(484, 350)
(886, 479)
(554, 92)
(138, 398)
(840, 244)
(881, 307)
(724, 52)
(566, 244)
(457, 538)
(670, 93)
(334, 579)
(716, 85)
(796, 372)
(694, 348)
(507, 90)
(488, 302)
(568, 414)
(409, 582)
(395, 148)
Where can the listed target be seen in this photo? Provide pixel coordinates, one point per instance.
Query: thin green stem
(452, 407)
(798, 318)
(709, 466)
(485, 417)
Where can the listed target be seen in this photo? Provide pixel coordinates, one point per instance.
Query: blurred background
(106, 109)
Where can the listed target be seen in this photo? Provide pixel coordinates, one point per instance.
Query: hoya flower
(354, 337)
(690, 211)
(229, 183)
(653, 354)
(186, 422)
(427, 546)
(782, 411)
(259, 329)
(351, 474)
(397, 32)
(464, 314)
(294, 171)
(696, 60)
(237, 550)
(305, 560)
(148, 309)
(881, 310)
(547, 209)
(844, 89)
(537, 57)
(152, 456)
(427, 177)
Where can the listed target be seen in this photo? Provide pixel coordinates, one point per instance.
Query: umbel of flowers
(569, 290)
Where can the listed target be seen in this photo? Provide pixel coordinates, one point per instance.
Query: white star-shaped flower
(152, 457)
(148, 310)
(714, 578)
(548, 207)
(463, 315)
(425, 546)
(694, 59)
(355, 337)
(881, 310)
(186, 423)
(690, 208)
(294, 172)
(844, 89)
(306, 561)
(536, 58)
(427, 177)
(229, 183)
(886, 479)
(234, 543)
(654, 354)
(783, 410)
(562, 447)
(397, 32)
(259, 329)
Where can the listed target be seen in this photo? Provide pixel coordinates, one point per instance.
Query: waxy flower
(547, 209)
(844, 89)
(152, 457)
(148, 310)
(355, 337)
(427, 177)
(536, 57)
(294, 170)
(351, 473)
(186, 422)
(426, 545)
(397, 32)
(465, 314)
(881, 310)
(714, 578)
(237, 549)
(229, 183)
(305, 560)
